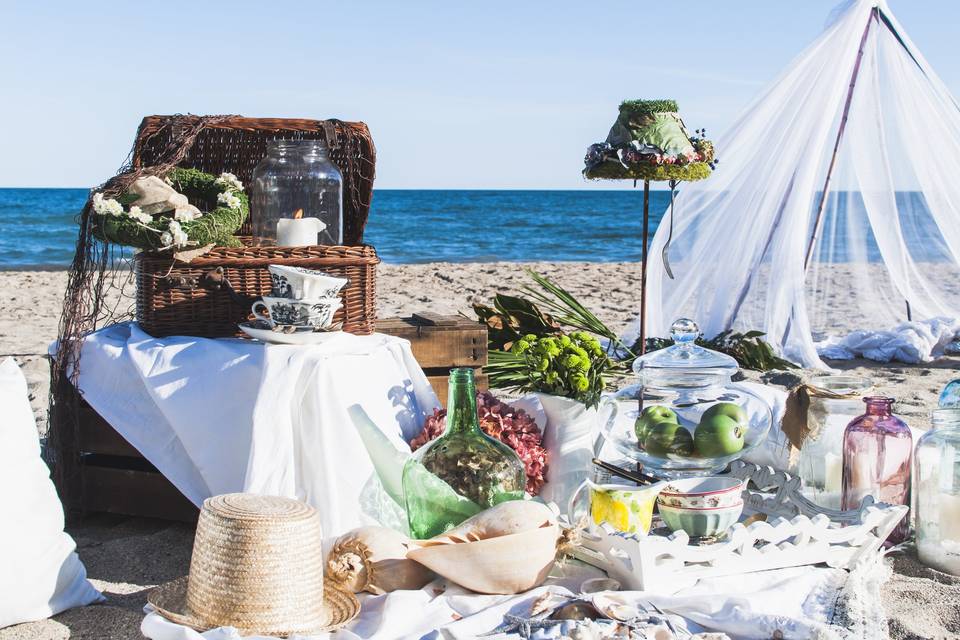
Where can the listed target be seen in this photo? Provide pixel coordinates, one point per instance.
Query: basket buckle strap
(216, 280)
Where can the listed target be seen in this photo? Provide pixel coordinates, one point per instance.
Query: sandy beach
(125, 556)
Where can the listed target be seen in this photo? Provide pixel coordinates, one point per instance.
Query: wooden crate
(440, 343)
(115, 478)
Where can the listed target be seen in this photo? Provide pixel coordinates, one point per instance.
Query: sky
(481, 95)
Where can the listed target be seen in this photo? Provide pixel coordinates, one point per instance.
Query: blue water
(38, 226)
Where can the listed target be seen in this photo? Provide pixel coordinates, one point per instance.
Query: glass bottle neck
(946, 419)
(462, 402)
(307, 149)
(879, 406)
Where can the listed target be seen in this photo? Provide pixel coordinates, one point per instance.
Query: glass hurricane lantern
(937, 487)
(297, 196)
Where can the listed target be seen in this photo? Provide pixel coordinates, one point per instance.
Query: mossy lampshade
(649, 142)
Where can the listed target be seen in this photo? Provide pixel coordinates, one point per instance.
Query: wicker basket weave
(211, 294)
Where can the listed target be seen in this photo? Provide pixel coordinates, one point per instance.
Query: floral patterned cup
(285, 312)
(625, 508)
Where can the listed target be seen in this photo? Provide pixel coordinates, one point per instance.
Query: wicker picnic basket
(211, 294)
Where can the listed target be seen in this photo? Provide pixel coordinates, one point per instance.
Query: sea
(38, 228)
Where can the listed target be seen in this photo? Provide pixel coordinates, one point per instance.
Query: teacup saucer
(289, 334)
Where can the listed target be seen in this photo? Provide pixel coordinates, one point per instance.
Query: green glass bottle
(462, 472)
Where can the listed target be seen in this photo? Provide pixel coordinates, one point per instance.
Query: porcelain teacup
(285, 312)
(303, 284)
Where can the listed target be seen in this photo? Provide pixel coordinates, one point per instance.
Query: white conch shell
(501, 565)
(374, 559)
(504, 519)
(156, 196)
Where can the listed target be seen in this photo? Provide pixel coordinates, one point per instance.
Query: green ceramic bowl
(700, 523)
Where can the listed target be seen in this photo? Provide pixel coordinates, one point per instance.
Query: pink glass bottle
(877, 449)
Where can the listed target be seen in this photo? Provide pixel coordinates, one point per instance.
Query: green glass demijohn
(462, 472)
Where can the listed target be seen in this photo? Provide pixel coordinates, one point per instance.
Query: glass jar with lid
(297, 196)
(692, 419)
(937, 489)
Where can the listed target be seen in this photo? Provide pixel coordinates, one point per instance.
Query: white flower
(177, 234)
(166, 239)
(137, 214)
(227, 198)
(184, 215)
(106, 206)
(230, 181)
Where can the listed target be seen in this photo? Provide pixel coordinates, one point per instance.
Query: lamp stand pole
(643, 268)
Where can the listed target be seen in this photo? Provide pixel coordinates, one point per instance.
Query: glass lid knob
(684, 331)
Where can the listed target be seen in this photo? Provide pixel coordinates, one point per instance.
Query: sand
(127, 556)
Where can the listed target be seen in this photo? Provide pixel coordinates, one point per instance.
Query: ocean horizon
(405, 225)
(410, 226)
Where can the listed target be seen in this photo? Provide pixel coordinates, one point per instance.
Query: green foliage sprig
(747, 349)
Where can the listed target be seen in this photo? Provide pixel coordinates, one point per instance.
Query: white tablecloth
(795, 604)
(217, 416)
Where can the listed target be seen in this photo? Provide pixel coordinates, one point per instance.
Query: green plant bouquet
(569, 365)
(156, 213)
(523, 332)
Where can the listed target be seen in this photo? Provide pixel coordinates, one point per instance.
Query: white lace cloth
(801, 602)
(909, 342)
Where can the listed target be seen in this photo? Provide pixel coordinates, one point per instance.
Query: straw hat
(258, 566)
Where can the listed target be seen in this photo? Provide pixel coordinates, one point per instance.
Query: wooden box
(115, 478)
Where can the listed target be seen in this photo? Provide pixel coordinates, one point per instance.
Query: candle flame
(298, 214)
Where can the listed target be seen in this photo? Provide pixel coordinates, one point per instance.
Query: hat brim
(170, 601)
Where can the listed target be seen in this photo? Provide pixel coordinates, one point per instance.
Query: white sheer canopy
(836, 204)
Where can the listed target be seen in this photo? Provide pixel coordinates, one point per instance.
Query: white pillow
(40, 574)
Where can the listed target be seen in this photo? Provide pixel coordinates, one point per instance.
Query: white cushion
(40, 573)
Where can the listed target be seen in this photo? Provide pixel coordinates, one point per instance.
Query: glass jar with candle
(834, 402)
(937, 478)
(297, 196)
(877, 450)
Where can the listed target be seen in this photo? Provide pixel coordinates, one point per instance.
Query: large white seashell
(504, 519)
(500, 565)
(375, 559)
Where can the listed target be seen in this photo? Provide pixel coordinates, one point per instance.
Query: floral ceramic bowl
(702, 493)
(701, 523)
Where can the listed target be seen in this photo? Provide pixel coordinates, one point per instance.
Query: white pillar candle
(299, 232)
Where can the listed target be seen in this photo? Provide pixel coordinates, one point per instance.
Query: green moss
(654, 173)
(647, 107)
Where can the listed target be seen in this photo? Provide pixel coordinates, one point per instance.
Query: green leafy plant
(569, 365)
(548, 309)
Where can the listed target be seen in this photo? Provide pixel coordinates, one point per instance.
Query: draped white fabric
(889, 232)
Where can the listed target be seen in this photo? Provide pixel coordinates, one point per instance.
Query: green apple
(718, 435)
(728, 409)
(665, 438)
(650, 416)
